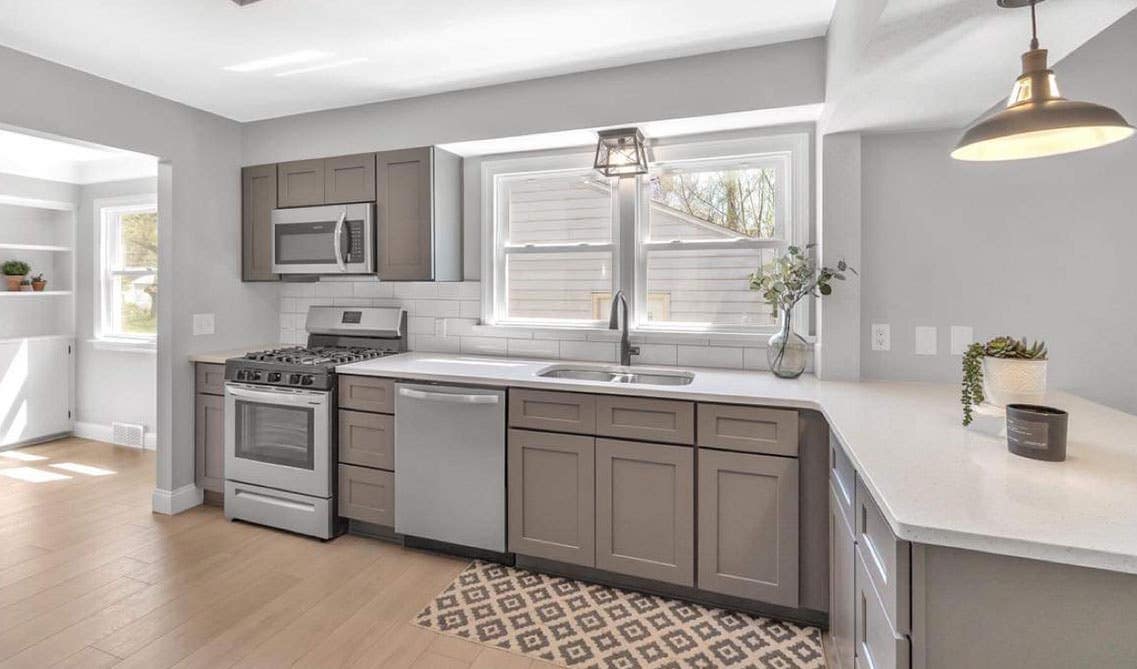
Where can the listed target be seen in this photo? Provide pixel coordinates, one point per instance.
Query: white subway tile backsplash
(470, 290)
(373, 289)
(707, 356)
(594, 351)
(483, 345)
(470, 309)
(434, 344)
(352, 302)
(418, 291)
(657, 354)
(449, 290)
(755, 358)
(533, 348)
(294, 289)
(421, 325)
(334, 289)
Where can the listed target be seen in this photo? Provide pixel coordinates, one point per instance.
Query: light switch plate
(925, 340)
(202, 324)
(961, 338)
(881, 337)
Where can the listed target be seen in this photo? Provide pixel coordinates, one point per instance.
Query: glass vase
(787, 352)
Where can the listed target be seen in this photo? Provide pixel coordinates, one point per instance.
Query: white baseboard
(172, 502)
(100, 432)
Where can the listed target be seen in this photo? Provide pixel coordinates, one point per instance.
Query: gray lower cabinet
(209, 442)
(367, 494)
(645, 507)
(748, 526)
(367, 439)
(842, 556)
(258, 199)
(418, 197)
(551, 495)
(878, 645)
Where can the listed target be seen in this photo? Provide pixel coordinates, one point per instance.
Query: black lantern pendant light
(1038, 121)
(621, 153)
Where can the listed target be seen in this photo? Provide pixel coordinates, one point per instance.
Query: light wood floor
(89, 577)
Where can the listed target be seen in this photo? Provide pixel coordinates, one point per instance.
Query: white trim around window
(107, 270)
(788, 154)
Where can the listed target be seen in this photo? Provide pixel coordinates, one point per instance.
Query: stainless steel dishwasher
(450, 464)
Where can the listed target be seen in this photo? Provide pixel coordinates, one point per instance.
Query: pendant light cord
(1033, 27)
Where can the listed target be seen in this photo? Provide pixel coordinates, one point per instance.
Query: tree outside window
(129, 271)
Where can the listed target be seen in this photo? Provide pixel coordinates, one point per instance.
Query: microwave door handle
(336, 242)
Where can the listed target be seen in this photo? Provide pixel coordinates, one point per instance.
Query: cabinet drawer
(748, 429)
(367, 439)
(842, 477)
(878, 645)
(367, 393)
(842, 589)
(887, 559)
(557, 412)
(668, 421)
(210, 378)
(645, 510)
(367, 495)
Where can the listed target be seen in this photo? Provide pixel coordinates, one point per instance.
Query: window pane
(713, 203)
(138, 240)
(559, 208)
(135, 304)
(706, 287)
(557, 285)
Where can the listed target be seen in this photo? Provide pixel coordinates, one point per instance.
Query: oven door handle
(447, 397)
(336, 241)
(275, 397)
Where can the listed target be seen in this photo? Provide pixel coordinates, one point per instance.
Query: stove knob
(294, 379)
(255, 375)
(307, 380)
(274, 377)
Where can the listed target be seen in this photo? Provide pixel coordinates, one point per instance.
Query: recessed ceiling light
(321, 66)
(294, 58)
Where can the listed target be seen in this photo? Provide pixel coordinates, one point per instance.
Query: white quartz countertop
(219, 357)
(936, 482)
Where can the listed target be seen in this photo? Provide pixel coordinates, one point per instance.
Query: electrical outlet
(925, 340)
(202, 324)
(961, 338)
(881, 337)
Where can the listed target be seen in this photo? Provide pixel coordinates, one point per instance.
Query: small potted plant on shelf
(14, 272)
(1003, 371)
(783, 283)
(38, 283)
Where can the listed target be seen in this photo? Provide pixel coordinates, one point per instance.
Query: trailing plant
(785, 281)
(16, 268)
(1000, 347)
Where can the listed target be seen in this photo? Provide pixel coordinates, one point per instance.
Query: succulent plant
(16, 268)
(1007, 348)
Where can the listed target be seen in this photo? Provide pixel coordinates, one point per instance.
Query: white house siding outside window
(127, 263)
(693, 230)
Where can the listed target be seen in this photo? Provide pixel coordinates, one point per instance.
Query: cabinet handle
(447, 397)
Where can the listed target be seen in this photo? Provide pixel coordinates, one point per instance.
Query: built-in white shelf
(33, 247)
(32, 293)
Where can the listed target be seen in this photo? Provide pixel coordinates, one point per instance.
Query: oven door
(331, 239)
(279, 438)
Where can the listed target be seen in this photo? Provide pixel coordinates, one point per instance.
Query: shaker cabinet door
(209, 442)
(349, 179)
(552, 496)
(842, 594)
(258, 199)
(404, 181)
(748, 526)
(300, 183)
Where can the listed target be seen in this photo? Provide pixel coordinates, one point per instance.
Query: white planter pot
(1014, 381)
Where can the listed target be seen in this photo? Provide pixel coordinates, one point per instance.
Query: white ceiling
(57, 159)
(179, 49)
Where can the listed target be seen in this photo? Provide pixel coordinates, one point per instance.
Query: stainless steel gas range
(280, 418)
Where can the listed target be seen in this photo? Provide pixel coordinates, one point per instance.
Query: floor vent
(127, 434)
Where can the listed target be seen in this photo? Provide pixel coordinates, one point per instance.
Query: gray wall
(110, 386)
(199, 211)
(1041, 248)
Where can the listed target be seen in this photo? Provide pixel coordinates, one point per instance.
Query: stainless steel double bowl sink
(615, 374)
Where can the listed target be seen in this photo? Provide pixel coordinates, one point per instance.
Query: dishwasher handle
(453, 398)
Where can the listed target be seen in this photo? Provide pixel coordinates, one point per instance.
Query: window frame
(107, 213)
(630, 222)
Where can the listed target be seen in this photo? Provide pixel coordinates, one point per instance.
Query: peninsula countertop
(936, 482)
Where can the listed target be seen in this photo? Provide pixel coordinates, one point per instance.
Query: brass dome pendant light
(1038, 121)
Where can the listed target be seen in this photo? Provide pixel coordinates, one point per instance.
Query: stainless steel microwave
(330, 239)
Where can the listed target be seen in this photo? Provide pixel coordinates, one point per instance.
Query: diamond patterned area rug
(577, 624)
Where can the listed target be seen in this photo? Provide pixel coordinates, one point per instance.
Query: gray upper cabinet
(349, 179)
(300, 183)
(645, 508)
(418, 196)
(552, 500)
(258, 199)
(748, 526)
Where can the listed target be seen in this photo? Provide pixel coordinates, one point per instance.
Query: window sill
(756, 339)
(148, 347)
